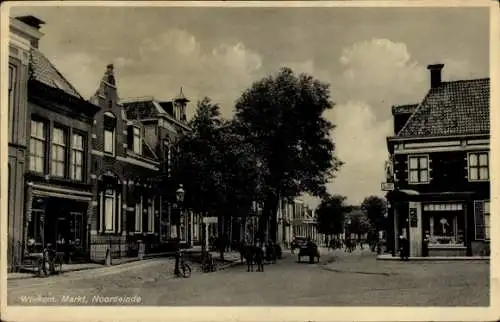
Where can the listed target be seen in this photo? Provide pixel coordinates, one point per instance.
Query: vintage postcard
(285, 161)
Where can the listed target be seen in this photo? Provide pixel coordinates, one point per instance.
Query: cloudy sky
(372, 57)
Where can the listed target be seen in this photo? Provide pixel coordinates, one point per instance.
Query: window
(77, 151)
(35, 226)
(137, 140)
(151, 216)
(12, 97)
(419, 169)
(109, 133)
(478, 166)
(109, 209)
(167, 158)
(58, 152)
(77, 228)
(487, 220)
(37, 146)
(138, 216)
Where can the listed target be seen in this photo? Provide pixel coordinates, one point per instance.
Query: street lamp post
(179, 196)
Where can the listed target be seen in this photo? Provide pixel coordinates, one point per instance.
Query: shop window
(77, 157)
(138, 216)
(109, 133)
(151, 216)
(37, 146)
(77, 228)
(109, 210)
(478, 166)
(487, 220)
(35, 227)
(418, 169)
(58, 152)
(444, 223)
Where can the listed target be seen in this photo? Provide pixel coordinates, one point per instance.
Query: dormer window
(137, 146)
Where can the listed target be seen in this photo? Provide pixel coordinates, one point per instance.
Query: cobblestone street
(355, 279)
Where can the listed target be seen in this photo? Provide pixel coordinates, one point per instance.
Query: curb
(435, 258)
(132, 260)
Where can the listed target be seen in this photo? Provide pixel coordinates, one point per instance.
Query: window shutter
(479, 219)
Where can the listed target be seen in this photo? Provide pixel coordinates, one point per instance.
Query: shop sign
(387, 186)
(413, 217)
(210, 220)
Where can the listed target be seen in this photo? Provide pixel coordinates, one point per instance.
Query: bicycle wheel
(186, 270)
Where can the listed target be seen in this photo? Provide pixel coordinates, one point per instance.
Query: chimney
(435, 74)
(33, 22)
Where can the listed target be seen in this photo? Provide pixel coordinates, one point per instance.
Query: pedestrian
(404, 248)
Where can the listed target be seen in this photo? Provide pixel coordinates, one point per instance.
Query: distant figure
(404, 248)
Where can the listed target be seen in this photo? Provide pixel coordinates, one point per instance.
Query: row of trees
(332, 213)
(277, 145)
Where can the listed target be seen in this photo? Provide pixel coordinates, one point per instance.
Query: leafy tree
(282, 117)
(375, 209)
(215, 164)
(331, 215)
(360, 224)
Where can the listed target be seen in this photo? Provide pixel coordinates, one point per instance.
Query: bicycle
(49, 263)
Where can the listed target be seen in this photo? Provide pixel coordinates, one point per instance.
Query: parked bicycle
(49, 263)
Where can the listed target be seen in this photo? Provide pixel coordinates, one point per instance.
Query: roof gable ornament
(109, 76)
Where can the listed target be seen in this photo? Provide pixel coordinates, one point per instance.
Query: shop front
(57, 220)
(444, 226)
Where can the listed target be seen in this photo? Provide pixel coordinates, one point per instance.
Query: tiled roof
(453, 108)
(403, 109)
(43, 71)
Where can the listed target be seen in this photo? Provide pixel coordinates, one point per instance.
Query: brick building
(57, 178)
(21, 38)
(164, 123)
(126, 195)
(440, 169)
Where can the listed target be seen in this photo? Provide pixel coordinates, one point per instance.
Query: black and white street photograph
(247, 155)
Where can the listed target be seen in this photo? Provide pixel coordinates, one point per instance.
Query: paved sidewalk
(389, 257)
(66, 268)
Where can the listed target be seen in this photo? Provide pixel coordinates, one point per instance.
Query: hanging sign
(387, 186)
(413, 217)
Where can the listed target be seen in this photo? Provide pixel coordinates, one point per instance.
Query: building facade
(57, 177)
(164, 123)
(21, 37)
(125, 169)
(439, 169)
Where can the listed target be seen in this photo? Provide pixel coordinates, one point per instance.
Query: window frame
(73, 152)
(151, 209)
(487, 228)
(12, 92)
(109, 193)
(136, 134)
(42, 140)
(112, 131)
(139, 208)
(419, 169)
(55, 147)
(478, 166)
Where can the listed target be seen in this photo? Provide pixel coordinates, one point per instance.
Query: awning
(60, 192)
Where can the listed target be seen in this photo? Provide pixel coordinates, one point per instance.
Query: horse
(248, 252)
(259, 258)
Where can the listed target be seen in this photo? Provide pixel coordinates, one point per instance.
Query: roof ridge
(466, 80)
(59, 73)
(419, 105)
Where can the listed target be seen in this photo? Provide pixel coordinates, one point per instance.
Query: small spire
(181, 98)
